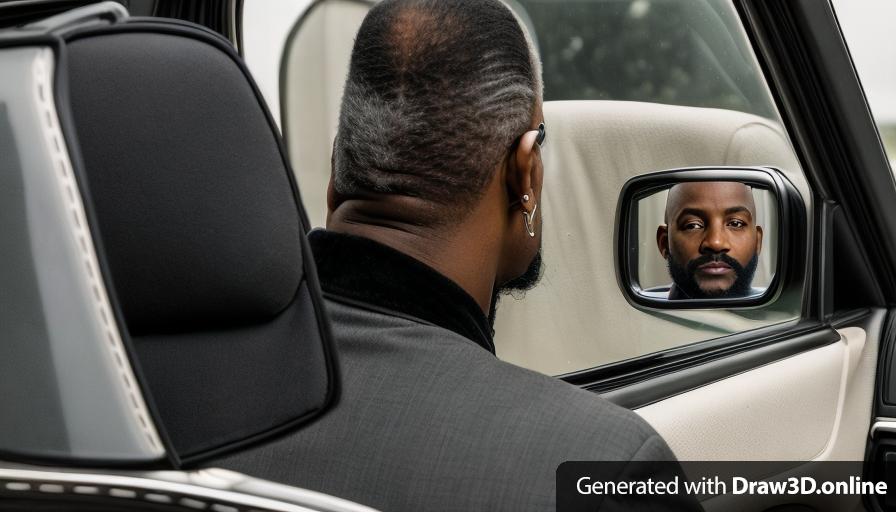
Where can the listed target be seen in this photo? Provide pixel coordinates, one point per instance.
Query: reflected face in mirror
(710, 240)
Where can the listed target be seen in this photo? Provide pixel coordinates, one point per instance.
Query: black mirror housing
(788, 241)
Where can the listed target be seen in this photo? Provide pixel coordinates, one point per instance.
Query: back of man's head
(437, 92)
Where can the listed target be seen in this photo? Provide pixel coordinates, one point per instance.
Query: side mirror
(708, 237)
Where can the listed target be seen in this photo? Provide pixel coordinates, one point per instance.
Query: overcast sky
(868, 26)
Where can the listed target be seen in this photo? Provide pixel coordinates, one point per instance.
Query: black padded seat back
(199, 223)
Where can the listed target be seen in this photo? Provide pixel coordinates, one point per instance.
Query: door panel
(813, 406)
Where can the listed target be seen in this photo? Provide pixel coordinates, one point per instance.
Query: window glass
(867, 28)
(631, 87)
(266, 26)
(660, 51)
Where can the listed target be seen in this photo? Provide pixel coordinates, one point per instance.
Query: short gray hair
(437, 92)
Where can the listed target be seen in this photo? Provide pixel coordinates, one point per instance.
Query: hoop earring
(530, 221)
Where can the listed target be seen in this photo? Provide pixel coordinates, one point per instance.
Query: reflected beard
(685, 280)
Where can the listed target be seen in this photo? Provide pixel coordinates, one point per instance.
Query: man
(710, 241)
(434, 207)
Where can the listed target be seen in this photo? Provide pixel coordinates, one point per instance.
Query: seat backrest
(200, 231)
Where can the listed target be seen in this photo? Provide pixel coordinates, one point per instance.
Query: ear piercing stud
(525, 198)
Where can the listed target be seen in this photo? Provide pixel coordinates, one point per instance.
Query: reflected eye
(737, 223)
(692, 225)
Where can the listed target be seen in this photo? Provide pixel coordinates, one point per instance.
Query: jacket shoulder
(499, 400)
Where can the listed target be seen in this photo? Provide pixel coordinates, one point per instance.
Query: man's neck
(447, 249)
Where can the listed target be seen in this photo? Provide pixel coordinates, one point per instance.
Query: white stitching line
(79, 226)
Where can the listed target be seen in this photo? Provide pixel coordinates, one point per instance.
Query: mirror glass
(705, 240)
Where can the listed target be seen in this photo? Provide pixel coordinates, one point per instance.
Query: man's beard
(519, 286)
(685, 281)
(527, 280)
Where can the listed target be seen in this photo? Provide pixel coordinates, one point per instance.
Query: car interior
(594, 147)
(164, 217)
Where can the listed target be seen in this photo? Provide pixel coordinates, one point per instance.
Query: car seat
(181, 314)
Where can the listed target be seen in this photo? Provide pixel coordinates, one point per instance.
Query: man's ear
(662, 240)
(521, 170)
(758, 239)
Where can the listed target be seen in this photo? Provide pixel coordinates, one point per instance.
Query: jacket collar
(361, 270)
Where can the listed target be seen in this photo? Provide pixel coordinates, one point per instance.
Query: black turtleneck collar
(361, 270)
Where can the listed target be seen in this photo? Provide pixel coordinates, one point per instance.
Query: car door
(801, 378)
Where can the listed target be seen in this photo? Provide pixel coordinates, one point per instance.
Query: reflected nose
(715, 240)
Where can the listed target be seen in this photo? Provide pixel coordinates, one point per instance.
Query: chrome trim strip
(208, 489)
